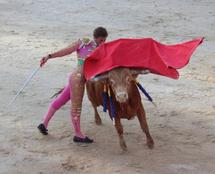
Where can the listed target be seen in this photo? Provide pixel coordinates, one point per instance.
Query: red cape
(140, 53)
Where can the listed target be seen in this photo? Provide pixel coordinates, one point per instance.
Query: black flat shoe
(82, 140)
(42, 129)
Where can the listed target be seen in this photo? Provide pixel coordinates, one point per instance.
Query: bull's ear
(102, 77)
(136, 72)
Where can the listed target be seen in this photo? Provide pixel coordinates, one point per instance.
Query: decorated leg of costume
(56, 104)
(77, 92)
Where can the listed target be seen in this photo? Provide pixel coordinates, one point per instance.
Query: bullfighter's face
(100, 40)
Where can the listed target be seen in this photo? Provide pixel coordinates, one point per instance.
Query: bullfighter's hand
(43, 60)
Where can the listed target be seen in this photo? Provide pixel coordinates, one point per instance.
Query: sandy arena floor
(183, 125)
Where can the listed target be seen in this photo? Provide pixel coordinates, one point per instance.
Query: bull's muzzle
(121, 97)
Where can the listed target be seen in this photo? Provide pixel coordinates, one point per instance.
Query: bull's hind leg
(98, 120)
(143, 123)
(119, 129)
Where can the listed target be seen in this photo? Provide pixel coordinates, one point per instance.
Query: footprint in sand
(211, 138)
(13, 32)
(4, 152)
(76, 164)
(65, 135)
(138, 168)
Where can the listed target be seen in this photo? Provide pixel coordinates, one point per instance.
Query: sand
(182, 126)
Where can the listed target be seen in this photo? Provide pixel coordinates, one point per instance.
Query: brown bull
(126, 99)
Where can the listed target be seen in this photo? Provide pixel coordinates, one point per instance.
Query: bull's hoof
(98, 121)
(123, 146)
(150, 144)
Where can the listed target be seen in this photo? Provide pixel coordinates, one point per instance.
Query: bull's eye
(112, 82)
(128, 79)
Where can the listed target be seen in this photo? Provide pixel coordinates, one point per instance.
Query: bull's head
(120, 81)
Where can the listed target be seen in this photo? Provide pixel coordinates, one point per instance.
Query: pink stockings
(56, 104)
(78, 90)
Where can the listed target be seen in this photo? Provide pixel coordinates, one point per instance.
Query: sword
(24, 85)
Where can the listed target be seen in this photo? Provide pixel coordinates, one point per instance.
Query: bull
(126, 99)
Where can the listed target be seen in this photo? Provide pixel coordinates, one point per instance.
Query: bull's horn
(143, 71)
(99, 77)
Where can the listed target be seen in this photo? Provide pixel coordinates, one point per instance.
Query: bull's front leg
(143, 123)
(119, 129)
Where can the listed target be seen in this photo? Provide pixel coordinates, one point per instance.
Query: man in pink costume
(74, 90)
